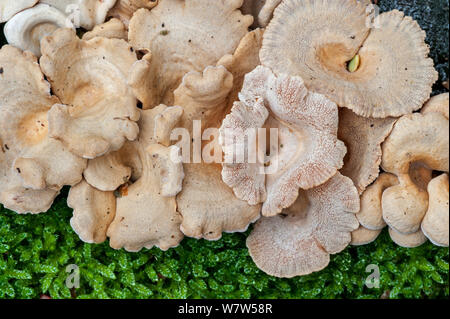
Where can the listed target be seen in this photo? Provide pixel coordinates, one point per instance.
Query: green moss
(35, 251)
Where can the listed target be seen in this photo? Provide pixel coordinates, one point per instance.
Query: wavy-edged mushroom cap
(436, 221)
(412, 240)
(363, 236)
(301, 239)
(124, 9)
(146, 214)
(309, 152)
(261, 10)
(438, 103)
(184, 36)
(27, 28)
(9, 8)
(363, 138)
(317, 39)
(371, 214)
(93, 212)
(33, 166)
(207, 204)
(90, 77)
(113, 29)
(88, 12)
(418, 139)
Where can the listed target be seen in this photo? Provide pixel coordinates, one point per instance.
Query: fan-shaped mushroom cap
(124, 9)
(9, 8)
(309, 151)
(261, 10)
(90, 12)
(244, 60)
(371, 213)
(196, 34)
(146, 214)
(412, 240)
(27, 28)
(90, 77)
(416, 138)
(113, 29)
(436, 221)
(438, 103)
(93, 212)
(207, 204)
(363, 138)
(363, 236)
(317, 38)
(301, 239)
(33, 167)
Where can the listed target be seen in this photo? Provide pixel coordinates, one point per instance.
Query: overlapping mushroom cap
(207, 204)
(417, 139)
(145, 212)
(306, 154)
(261, 10)
(317, 39)
(33, 166)
(363, 138)
(91, 79)
(27, 28)
(300, 240)
(9, 8)
(124, 9)
(184, 36)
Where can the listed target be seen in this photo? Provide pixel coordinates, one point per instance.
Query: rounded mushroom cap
(436, 221)
(90, 12)
(438, 103)
(300, 240)
(196, 34)
(33, 166)
(9, 8)
(27, 28)
(307, 152)
(371, 214)
(91, 77)
(407, 240)
(93, 212)
(363, 236)
(318, 38)
(363, 138)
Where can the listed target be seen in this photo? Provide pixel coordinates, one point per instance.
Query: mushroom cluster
(173, 118)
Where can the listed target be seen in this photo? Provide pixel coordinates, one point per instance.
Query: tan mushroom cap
(27, 28)
(416, 138)
(93, 212)
(90, 12)
(33, 167)
(363, 138)
(113, 29)
(363, 236)
(9, 8)
(124, 9)
(146, 214)
(438, 103)
(196, 34)
(301, 239)
(436, 221)
(91, 78)
(207, 204)
(317, 38)
(309, 152)
(371, 213)
(412, 240)
(261, 10)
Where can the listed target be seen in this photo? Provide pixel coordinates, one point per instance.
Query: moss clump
(35, 251)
